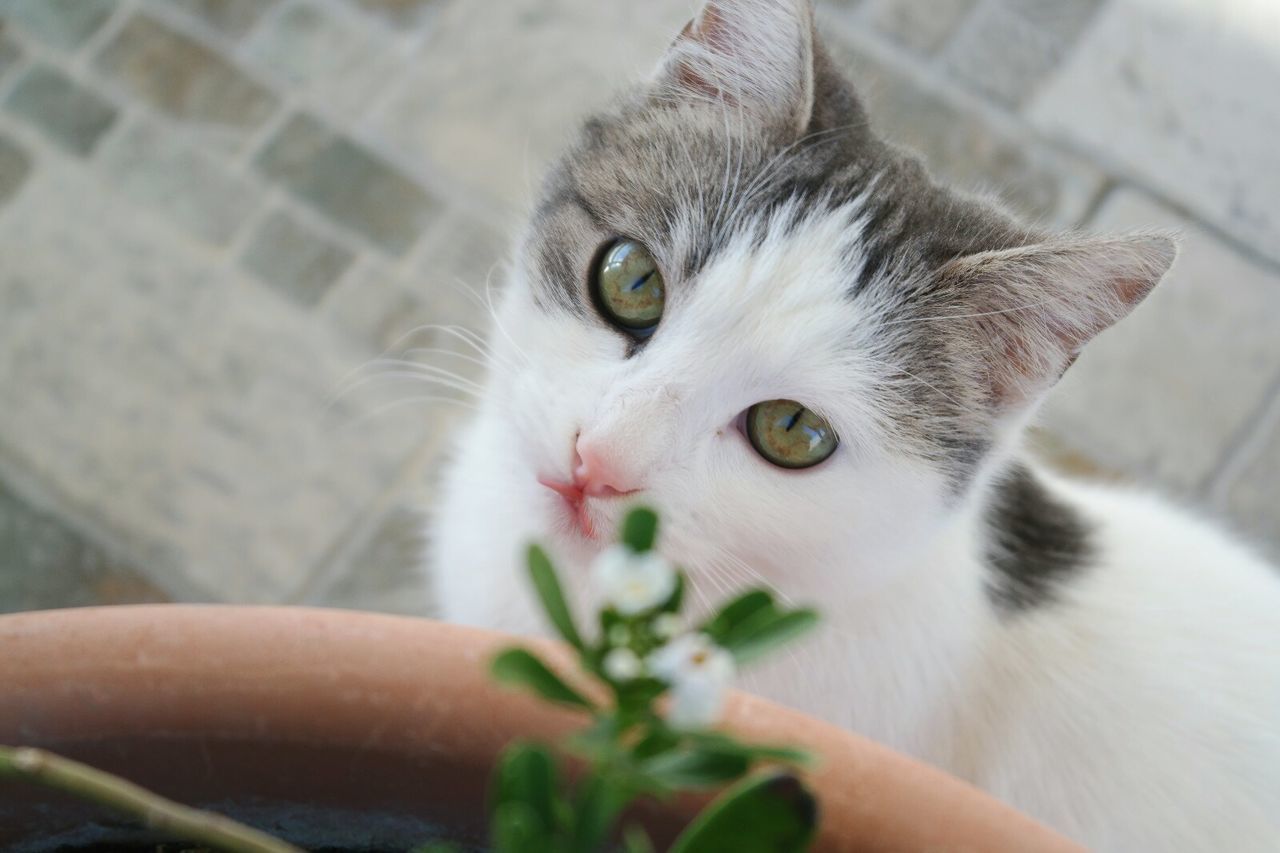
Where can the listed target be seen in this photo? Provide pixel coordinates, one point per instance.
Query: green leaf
(736, 612)
(640, 529)
(660, 739)
(526, 774)
(636, 696)
(636, 840)
(515, 830)
(548, 588)
(598, 804)
(609, 618)
(765, 630)
(596, 740)
(695, 768)
(520, 668)
(765, 814)
(754, 752)
(673, 602)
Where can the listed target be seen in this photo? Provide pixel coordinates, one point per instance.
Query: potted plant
(352, 731)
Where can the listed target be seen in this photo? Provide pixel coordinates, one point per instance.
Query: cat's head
(738, 305)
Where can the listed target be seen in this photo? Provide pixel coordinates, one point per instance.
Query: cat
(737, 304)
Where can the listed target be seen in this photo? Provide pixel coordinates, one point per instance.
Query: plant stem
(150, 810)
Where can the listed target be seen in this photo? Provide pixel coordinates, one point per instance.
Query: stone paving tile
(45, 564)
(387, 311)
(1162, 394)
(159, 171)
(185, 80)
(921, 25)
(965, 151)
(492, 126)
(10, 51)
(295, 258)
(400, 13)
(336, 60)
(1254, 498)
(347, 184)
(1033, 36)
(385, 572)
(15, 165)
(378, 310)
(232, 18)
(61, 23)
(184, 407)
(1182, 94)
(462, 254)
(67, 113)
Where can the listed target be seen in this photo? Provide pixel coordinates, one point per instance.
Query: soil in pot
(322, 800)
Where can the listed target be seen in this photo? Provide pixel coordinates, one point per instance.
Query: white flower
(622, 665)
(666, 625)
(699, 672)
(631, 582)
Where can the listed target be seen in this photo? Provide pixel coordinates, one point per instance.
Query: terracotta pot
(319, 721)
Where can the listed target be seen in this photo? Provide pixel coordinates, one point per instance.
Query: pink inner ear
(710, 30)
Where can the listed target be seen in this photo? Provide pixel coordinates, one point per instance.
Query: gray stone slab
(456, 274)
(233, 18)
(61, 23)
(492, 124)
(157, 170)
(462, 254)
(68, 114)
(1254, 498)
(385, 572)
(295, 258)
(10, 52)
(1183, 94)
(1165, 392)
(347, 184)
(967, 151)
(15, 165)
(379, 311)
(400, 13)
(338, 60)
(185, 80)
(183, 413)
(46, 564)
(1008, 48)
(921, 25)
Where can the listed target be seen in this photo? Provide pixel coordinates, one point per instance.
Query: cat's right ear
(753, 57)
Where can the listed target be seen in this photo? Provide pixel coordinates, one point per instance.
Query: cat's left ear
(1032, 309)
(753, 55)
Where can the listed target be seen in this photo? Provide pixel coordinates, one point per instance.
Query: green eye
(789, 435)
(628, 288)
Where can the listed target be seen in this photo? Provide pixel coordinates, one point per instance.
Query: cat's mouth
(581, 505)
(575, 502)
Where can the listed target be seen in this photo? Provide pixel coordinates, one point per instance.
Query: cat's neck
(913, 648)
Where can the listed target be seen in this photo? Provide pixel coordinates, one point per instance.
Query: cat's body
(1090, 655)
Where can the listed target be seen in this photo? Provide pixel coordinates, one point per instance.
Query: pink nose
(596, 475)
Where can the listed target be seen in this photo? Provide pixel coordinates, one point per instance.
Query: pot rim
(349, 679)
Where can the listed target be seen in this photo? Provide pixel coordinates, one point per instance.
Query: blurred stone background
(215, 213)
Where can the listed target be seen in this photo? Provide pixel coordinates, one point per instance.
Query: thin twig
(150, 810)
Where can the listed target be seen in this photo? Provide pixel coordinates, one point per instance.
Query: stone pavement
(215, 213)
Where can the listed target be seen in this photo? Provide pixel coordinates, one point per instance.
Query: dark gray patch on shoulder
(1037, 542)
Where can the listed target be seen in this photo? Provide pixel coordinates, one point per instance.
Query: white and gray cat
(737, 304)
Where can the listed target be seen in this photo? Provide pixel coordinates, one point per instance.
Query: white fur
(1139, 712)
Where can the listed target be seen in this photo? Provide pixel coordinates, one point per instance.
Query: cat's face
(736, 305)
